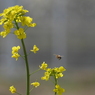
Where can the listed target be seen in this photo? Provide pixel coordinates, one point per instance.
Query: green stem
(31, 89)
(26, 61)
(16, 24)
(27, 67)
(56, 82)
(34, 72)
(18, 93)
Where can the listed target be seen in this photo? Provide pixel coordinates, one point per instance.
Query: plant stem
(18, 93)
(27, 67)
(56, 82)
(31, 89)
(26, 61)
(34, 72)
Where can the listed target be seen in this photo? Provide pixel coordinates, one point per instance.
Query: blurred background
(65, 27)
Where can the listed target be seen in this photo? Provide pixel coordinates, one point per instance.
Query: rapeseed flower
(35, 84)
(15, 53)
(46, 76)
(13, 17)
(12, 89)
(20, 33)
(61, 69)
(35, 49)
(58, 90)
(16, 56)
(43, 66)
(15, 49)
(55, 72)
(27, 21)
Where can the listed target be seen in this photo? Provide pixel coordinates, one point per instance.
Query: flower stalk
(26, 62)
(27, 67)
(56, 82)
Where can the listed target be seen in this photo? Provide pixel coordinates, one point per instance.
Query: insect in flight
(58, 56)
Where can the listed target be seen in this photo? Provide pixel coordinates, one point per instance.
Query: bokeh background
(65, 27)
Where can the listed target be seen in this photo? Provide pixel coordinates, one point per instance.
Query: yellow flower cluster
(12, 89)
(58, 90)
(35, 84)
(15, 52)
(12, 17)
(56, 72)
(35, 49)
(20, 33)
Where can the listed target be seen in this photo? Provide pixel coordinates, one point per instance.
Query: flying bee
(58, 56)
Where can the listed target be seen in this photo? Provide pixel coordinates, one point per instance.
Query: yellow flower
(58, 90)
(33, 24)
(13, 12)
(61, 69)
(43, 66)
(15, 50)
(8, 25)
(16, 55)
(58, 75)
(46, 76)
(27, 21)
(20, 33)
(13, 17)
(35, 49)
(12, 89)
(3, 34)
(35, 84)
